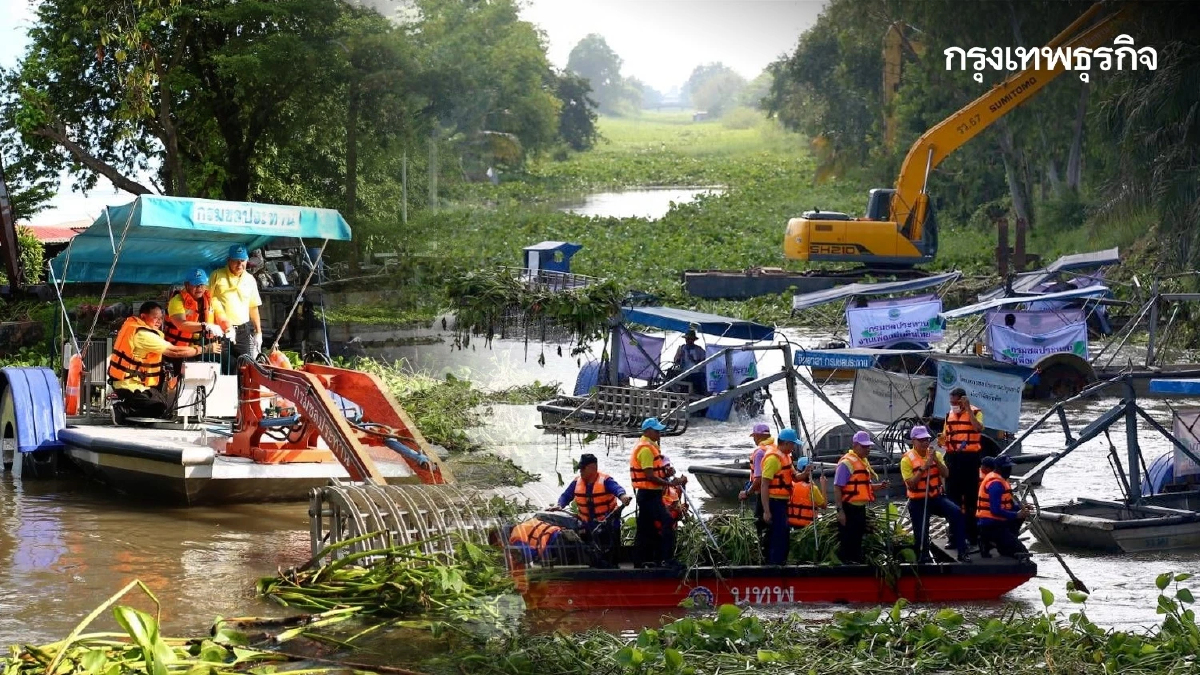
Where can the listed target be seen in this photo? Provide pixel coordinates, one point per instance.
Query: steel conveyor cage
(436, 517)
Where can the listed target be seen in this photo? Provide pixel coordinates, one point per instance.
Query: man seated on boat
(542, 542)
(1000, 514)
(654, 542)
(135, 365)
(761, 434)
(962, 439)
(192, 316)
(775, 492)
(688, 355)
(237, 292)
(924, 472)
(596, 496)
(807, 499)
(854, 485)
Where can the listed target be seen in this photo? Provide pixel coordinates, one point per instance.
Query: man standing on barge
(654, 541)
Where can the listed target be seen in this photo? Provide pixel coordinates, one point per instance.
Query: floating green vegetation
(880, 640)
(443, 408)
(400, 586)
(142, 648)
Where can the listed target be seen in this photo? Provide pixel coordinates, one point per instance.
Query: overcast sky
(660, 42)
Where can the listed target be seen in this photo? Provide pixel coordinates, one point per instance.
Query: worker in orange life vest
(1000, 514)
(775, 491)
(192, 316)
(854, 485)
(924, 472)
(806, 498)
(962, 439)
(654, 543)
(596, 496)
(135, 365)
(673, 495)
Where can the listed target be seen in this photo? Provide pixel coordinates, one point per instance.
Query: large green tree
(714, 88)
(593, 60)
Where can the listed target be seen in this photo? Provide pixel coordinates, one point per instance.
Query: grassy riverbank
(767, 176)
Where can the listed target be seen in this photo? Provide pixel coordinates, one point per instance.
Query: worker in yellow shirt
(237, 292)
(775, 491)
(135, 365)
(654, 540)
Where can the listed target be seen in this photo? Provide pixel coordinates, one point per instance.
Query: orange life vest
(983, 507)
(672, 500)
(594, 501)
(960, 434)
(535, 534)
(122, 365)
(801, 506)
(933, 477)
(641, 477)
(858, 489)
(194, 310)
(780, 486)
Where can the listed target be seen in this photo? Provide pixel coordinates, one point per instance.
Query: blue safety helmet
(801, 463)
(653, 423)
(238, 252)
(196, 277)
(787, 435)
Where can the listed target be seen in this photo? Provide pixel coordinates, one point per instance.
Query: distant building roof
(60, 233)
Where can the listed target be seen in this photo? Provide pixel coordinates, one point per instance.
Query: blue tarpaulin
(161, 238)
(679, 320)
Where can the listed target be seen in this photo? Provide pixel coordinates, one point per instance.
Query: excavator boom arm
(306, 392)
(954, 131)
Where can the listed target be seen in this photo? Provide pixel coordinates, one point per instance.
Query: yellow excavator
(899, 229)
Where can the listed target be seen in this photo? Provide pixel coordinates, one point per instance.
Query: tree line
(713, 87)
(309, 102)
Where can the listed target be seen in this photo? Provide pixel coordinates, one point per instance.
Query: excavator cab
(873, 240)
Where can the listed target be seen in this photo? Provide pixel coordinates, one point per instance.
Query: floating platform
(185, 467)
(582, 588)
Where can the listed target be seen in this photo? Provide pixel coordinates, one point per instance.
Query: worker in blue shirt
(596, 496)
(999, 514)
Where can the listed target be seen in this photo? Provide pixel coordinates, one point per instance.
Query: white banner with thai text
(1187, 430)
(880, 396)
(1022, 349)
(998, 395)
(881, 326)
(745, 368)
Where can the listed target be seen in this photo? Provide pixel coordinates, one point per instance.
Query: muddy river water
(66, 546)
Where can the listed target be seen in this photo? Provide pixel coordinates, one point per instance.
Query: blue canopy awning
(161, 238)
(980, 307)
(1179, 387)
(679, 320)
(806, 300)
